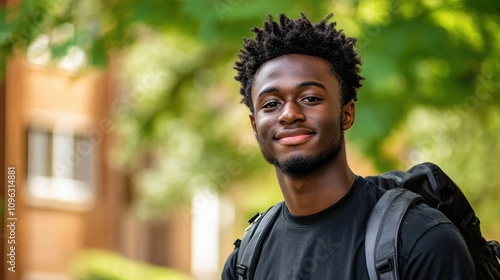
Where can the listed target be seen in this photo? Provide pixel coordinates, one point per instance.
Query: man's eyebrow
(300, 85)
(311, 83)
(267, 90)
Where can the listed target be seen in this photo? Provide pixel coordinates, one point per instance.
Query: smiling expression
(298, 116)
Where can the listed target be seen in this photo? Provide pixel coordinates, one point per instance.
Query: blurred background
(135, 160)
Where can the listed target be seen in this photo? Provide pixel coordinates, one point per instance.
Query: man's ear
(348, 115)
(252, 122)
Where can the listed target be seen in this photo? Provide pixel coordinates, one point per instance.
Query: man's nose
(291, 113)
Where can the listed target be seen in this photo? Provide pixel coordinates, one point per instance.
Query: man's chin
(299, 165)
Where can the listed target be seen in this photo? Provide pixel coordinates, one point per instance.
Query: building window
(60, 166)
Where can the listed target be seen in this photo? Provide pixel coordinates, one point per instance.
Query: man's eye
(311, 99)
(270, 104)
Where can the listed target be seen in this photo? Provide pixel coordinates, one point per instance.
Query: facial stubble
(301, 165)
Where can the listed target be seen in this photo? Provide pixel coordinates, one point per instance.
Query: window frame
(72, 191)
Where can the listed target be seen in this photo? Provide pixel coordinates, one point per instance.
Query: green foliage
(419, 54)
(105, 265)
(107, 25)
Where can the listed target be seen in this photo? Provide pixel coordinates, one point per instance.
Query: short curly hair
(300, 37)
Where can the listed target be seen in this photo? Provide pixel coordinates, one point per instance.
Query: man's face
(298, 116)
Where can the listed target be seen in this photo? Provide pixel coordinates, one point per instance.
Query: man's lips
(291, 137)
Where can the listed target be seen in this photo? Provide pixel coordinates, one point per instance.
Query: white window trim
(60, 190)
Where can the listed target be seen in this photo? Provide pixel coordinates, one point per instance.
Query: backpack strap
(381, 239)
(251, 245)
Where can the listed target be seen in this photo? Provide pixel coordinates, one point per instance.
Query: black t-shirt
(330, 244)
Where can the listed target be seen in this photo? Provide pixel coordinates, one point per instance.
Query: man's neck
(311, 193)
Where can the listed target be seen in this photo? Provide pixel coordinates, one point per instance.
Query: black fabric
(330, 244)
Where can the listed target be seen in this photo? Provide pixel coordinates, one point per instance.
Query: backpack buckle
(242, 271)
(254, 220)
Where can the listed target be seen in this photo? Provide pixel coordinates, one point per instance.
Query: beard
(300, 165)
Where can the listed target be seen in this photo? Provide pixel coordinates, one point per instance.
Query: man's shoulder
(421, 213)
(428, 238)
(421, 217)
(424, 224)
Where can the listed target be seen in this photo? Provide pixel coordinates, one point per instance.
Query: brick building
(55, 134)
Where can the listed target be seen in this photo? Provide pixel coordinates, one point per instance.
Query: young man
(299, 81)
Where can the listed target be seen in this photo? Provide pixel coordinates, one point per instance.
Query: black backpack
(425, 182)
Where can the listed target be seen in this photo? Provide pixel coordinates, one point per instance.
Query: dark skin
(298, 113)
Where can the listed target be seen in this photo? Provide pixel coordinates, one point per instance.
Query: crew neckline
(334, 211)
